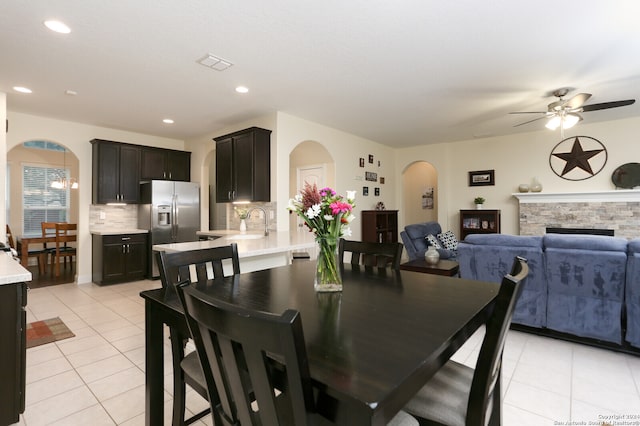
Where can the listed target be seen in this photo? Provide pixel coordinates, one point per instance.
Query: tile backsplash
(102, 216)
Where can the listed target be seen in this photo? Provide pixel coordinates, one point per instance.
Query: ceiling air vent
(214, 62)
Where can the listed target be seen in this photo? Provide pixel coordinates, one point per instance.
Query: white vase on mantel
(536, 186)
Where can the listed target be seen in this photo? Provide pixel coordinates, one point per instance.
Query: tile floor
(97, 377)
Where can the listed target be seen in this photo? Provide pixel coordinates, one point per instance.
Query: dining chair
(256, 361)
(458, 395)
(40, 254)
(48, 230)
(202, 266)
(65, 233)
(379, 255)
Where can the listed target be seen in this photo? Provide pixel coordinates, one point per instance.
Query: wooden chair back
(10, 240)
(195, 266)
(487, 370)
(243, 353)
(48, 230)
(65, 233)
(380, 255)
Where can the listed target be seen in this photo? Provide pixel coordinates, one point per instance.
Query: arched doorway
(420, 193)
(309, 160)
(32, 167)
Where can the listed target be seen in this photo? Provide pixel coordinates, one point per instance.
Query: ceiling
(400, 73)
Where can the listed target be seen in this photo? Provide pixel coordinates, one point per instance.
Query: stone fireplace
(605, 210)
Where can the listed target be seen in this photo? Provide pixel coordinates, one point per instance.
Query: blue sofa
(578, 284)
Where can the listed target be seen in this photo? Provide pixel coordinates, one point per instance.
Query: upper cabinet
(116, 172)
(243, 166)
(165, 164)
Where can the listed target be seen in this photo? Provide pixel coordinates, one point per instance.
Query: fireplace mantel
(621, 195)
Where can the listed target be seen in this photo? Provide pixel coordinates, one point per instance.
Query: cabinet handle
(128, 248)
(126, 238)
(170, 175)
(229, 195)
(124, 249)
(164, 175)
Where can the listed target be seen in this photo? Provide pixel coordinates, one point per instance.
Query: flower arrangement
(242, 213)
(328, 216)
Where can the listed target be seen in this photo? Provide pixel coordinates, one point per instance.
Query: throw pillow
(448, 240)
(433, 241)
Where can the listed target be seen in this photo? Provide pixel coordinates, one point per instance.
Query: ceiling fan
(565, 113)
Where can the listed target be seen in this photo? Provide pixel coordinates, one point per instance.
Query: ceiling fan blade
(530, 121)
(606, 105)
(577, 100)
(528, 112)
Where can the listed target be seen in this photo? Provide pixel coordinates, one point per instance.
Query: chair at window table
(459, 395)
(243, 353)
(175, 267)
(65, 233)
(381, 255)
(48, 230)
(40, 254)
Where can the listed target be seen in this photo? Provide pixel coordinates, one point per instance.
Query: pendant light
(63, 182)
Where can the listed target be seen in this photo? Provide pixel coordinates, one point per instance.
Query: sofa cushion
(632, 295)
(585, 242)
(433, 241)
(504, 240)
(448, 240)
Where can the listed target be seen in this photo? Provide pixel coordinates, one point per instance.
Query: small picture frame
(482, 178)
(365, 191)
(371, 176)
(485, 224)
(376, 192)
(381, 180)
(371, 158)
(379, 163)
(361, 161)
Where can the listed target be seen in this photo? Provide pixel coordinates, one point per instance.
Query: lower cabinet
(119, 258)
(13, 299)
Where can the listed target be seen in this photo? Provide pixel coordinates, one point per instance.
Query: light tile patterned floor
(97, 377)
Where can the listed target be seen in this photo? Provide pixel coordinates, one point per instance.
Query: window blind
(41, 202)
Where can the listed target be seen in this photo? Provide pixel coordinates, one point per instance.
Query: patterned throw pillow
(448, 240)
(433, 241)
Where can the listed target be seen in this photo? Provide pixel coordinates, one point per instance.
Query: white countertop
(276, 242)
(112, 231)
(11, 271)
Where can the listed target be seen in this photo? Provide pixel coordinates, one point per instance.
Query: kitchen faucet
(264, 213)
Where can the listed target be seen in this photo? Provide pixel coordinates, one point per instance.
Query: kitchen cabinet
(165, 164)
(13, 324)
(119, 258)
(243, 166)
(479, 221)
(116, 172)
(380, 226)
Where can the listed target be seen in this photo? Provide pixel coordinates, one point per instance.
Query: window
(40, 201)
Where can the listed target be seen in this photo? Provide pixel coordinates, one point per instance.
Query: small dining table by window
(23, 243)
(370, 347)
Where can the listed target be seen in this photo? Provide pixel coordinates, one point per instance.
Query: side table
(444, 267)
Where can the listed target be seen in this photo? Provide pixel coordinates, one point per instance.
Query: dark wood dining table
(370, 347)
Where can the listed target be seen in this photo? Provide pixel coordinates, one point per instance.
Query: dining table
(370, 347)
(23, 243)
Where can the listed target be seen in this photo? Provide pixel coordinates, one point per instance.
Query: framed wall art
(371, 176)
(361, 162)
(365, 191)
(482, 178)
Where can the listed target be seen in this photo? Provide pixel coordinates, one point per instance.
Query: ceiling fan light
(570, 120)
(553, 123)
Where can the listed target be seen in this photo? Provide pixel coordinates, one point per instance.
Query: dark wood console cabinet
(380, 226)
(119, 258)
(13, 324)
(243, 166)
(479, 221)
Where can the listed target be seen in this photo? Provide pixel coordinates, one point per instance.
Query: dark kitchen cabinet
(165, 164)
(119, 258)
(116, 172)
(13, 352)
(243, 166)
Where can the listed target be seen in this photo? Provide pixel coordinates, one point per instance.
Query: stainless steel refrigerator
(170, 210)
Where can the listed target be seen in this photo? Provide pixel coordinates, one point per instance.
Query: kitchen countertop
(249, 244)
(11, 271)
(112, 231)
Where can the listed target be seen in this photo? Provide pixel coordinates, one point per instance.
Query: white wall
(516, 159)
(3, 166)
(75, 136)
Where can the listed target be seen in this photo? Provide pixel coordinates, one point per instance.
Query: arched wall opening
(420, 193)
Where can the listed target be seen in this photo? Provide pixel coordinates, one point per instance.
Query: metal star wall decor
(578, 158)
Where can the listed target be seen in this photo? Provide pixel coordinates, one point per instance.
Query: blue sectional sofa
(583, 285)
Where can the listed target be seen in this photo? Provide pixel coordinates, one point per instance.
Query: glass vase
(328, 276)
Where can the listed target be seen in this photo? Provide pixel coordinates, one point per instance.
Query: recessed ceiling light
(22, 89)
(57, 26)
(242, 89)
(167, 121)
(70, 92)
